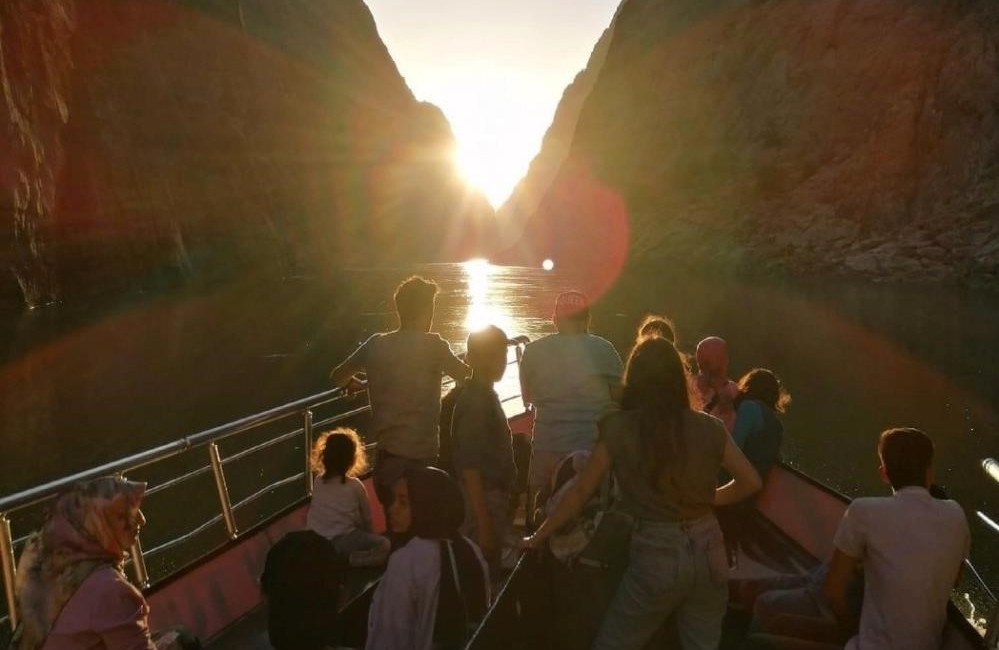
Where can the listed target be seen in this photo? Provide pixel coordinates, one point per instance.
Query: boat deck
(765, 552)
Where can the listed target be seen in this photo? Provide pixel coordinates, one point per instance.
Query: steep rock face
(844, 136)
(147, 142)
(527, 195)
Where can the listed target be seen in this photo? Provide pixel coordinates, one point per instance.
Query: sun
(494, 169)
(498, 121)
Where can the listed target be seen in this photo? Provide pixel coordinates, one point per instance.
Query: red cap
(570, 303)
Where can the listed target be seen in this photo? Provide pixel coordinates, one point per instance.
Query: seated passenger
(420, 602)
(716, 391)
(653, 326)
(482, 447)
(71, 592)
(404, 371)
(339, 510)
(758, 431)
(572, 378)
(665, 459)
(911, 546)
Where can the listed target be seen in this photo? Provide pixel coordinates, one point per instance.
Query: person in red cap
(714, 387)
(572, 378)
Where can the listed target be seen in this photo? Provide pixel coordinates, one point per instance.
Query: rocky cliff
(527, 195)
(145, 142)
(827, 136)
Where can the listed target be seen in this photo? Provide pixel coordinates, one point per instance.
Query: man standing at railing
(404, 370)
(572, 378)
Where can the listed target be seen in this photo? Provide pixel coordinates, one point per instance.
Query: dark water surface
(80, 386)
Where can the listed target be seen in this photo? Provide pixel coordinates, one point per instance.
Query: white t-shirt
(338, 508)
(568, 379)
(404, 606)
(912, 546)
(404, 369)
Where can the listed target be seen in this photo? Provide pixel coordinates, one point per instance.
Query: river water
(82, 385)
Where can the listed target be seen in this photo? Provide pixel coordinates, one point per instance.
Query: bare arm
(477, 496)
(587, 483)
(365, 507)
(745, 481)
(841, 570)
(342, 374)
(455, 368)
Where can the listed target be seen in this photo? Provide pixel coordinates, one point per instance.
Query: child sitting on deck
(482, 446)
(339, 510)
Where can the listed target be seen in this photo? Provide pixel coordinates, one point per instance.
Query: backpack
(601, 534)
(444, 457)
(301, 579)
(591, 556)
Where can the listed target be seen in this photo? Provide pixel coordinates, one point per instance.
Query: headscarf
(438, 511)
(78, 537)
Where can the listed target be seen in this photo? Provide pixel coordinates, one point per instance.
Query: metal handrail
(34, 495)
(991, 467)
(208, 439)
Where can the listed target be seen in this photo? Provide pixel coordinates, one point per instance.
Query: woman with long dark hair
(666, 459)
(435, 588)
(758, 431)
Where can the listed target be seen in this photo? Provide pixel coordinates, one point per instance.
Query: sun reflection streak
(483, 307)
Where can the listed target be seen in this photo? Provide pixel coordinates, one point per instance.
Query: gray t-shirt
(568, 378)
(912, 546)
(404, 385)
(690, 491)
(480, 436)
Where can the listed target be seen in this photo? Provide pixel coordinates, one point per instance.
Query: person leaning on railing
(71, 592)
(404, 375)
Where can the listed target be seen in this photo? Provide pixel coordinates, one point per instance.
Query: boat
(217, 594)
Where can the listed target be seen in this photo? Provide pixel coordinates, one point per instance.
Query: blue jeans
(679, 568)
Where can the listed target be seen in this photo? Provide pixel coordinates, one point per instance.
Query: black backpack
(301, 579)
(444, 458)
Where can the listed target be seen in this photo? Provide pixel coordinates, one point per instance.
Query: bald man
(716, 390)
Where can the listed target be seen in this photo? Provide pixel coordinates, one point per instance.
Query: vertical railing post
(307, 426)
(230, 520)
(519, 351)
(139, 565)
(9, 570)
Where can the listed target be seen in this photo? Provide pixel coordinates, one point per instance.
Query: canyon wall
(152, 142)
(854, 137)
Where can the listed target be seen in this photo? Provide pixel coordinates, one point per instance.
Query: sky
(497, 68)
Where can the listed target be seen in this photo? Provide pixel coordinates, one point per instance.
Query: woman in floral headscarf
(71, 592)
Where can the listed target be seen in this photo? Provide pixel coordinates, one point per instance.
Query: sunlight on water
(485, 305)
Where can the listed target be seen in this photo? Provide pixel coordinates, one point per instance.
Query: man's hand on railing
(356, 384)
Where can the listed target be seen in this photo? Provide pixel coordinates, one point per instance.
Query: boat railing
(991, 467)
(348, 407)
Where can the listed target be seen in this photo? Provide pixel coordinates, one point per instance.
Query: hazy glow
(496, 69)
(548, 265)
(484, 307)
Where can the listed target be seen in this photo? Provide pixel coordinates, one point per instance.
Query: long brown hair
(656, 385)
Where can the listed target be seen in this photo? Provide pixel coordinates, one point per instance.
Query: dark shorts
(389, 468)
